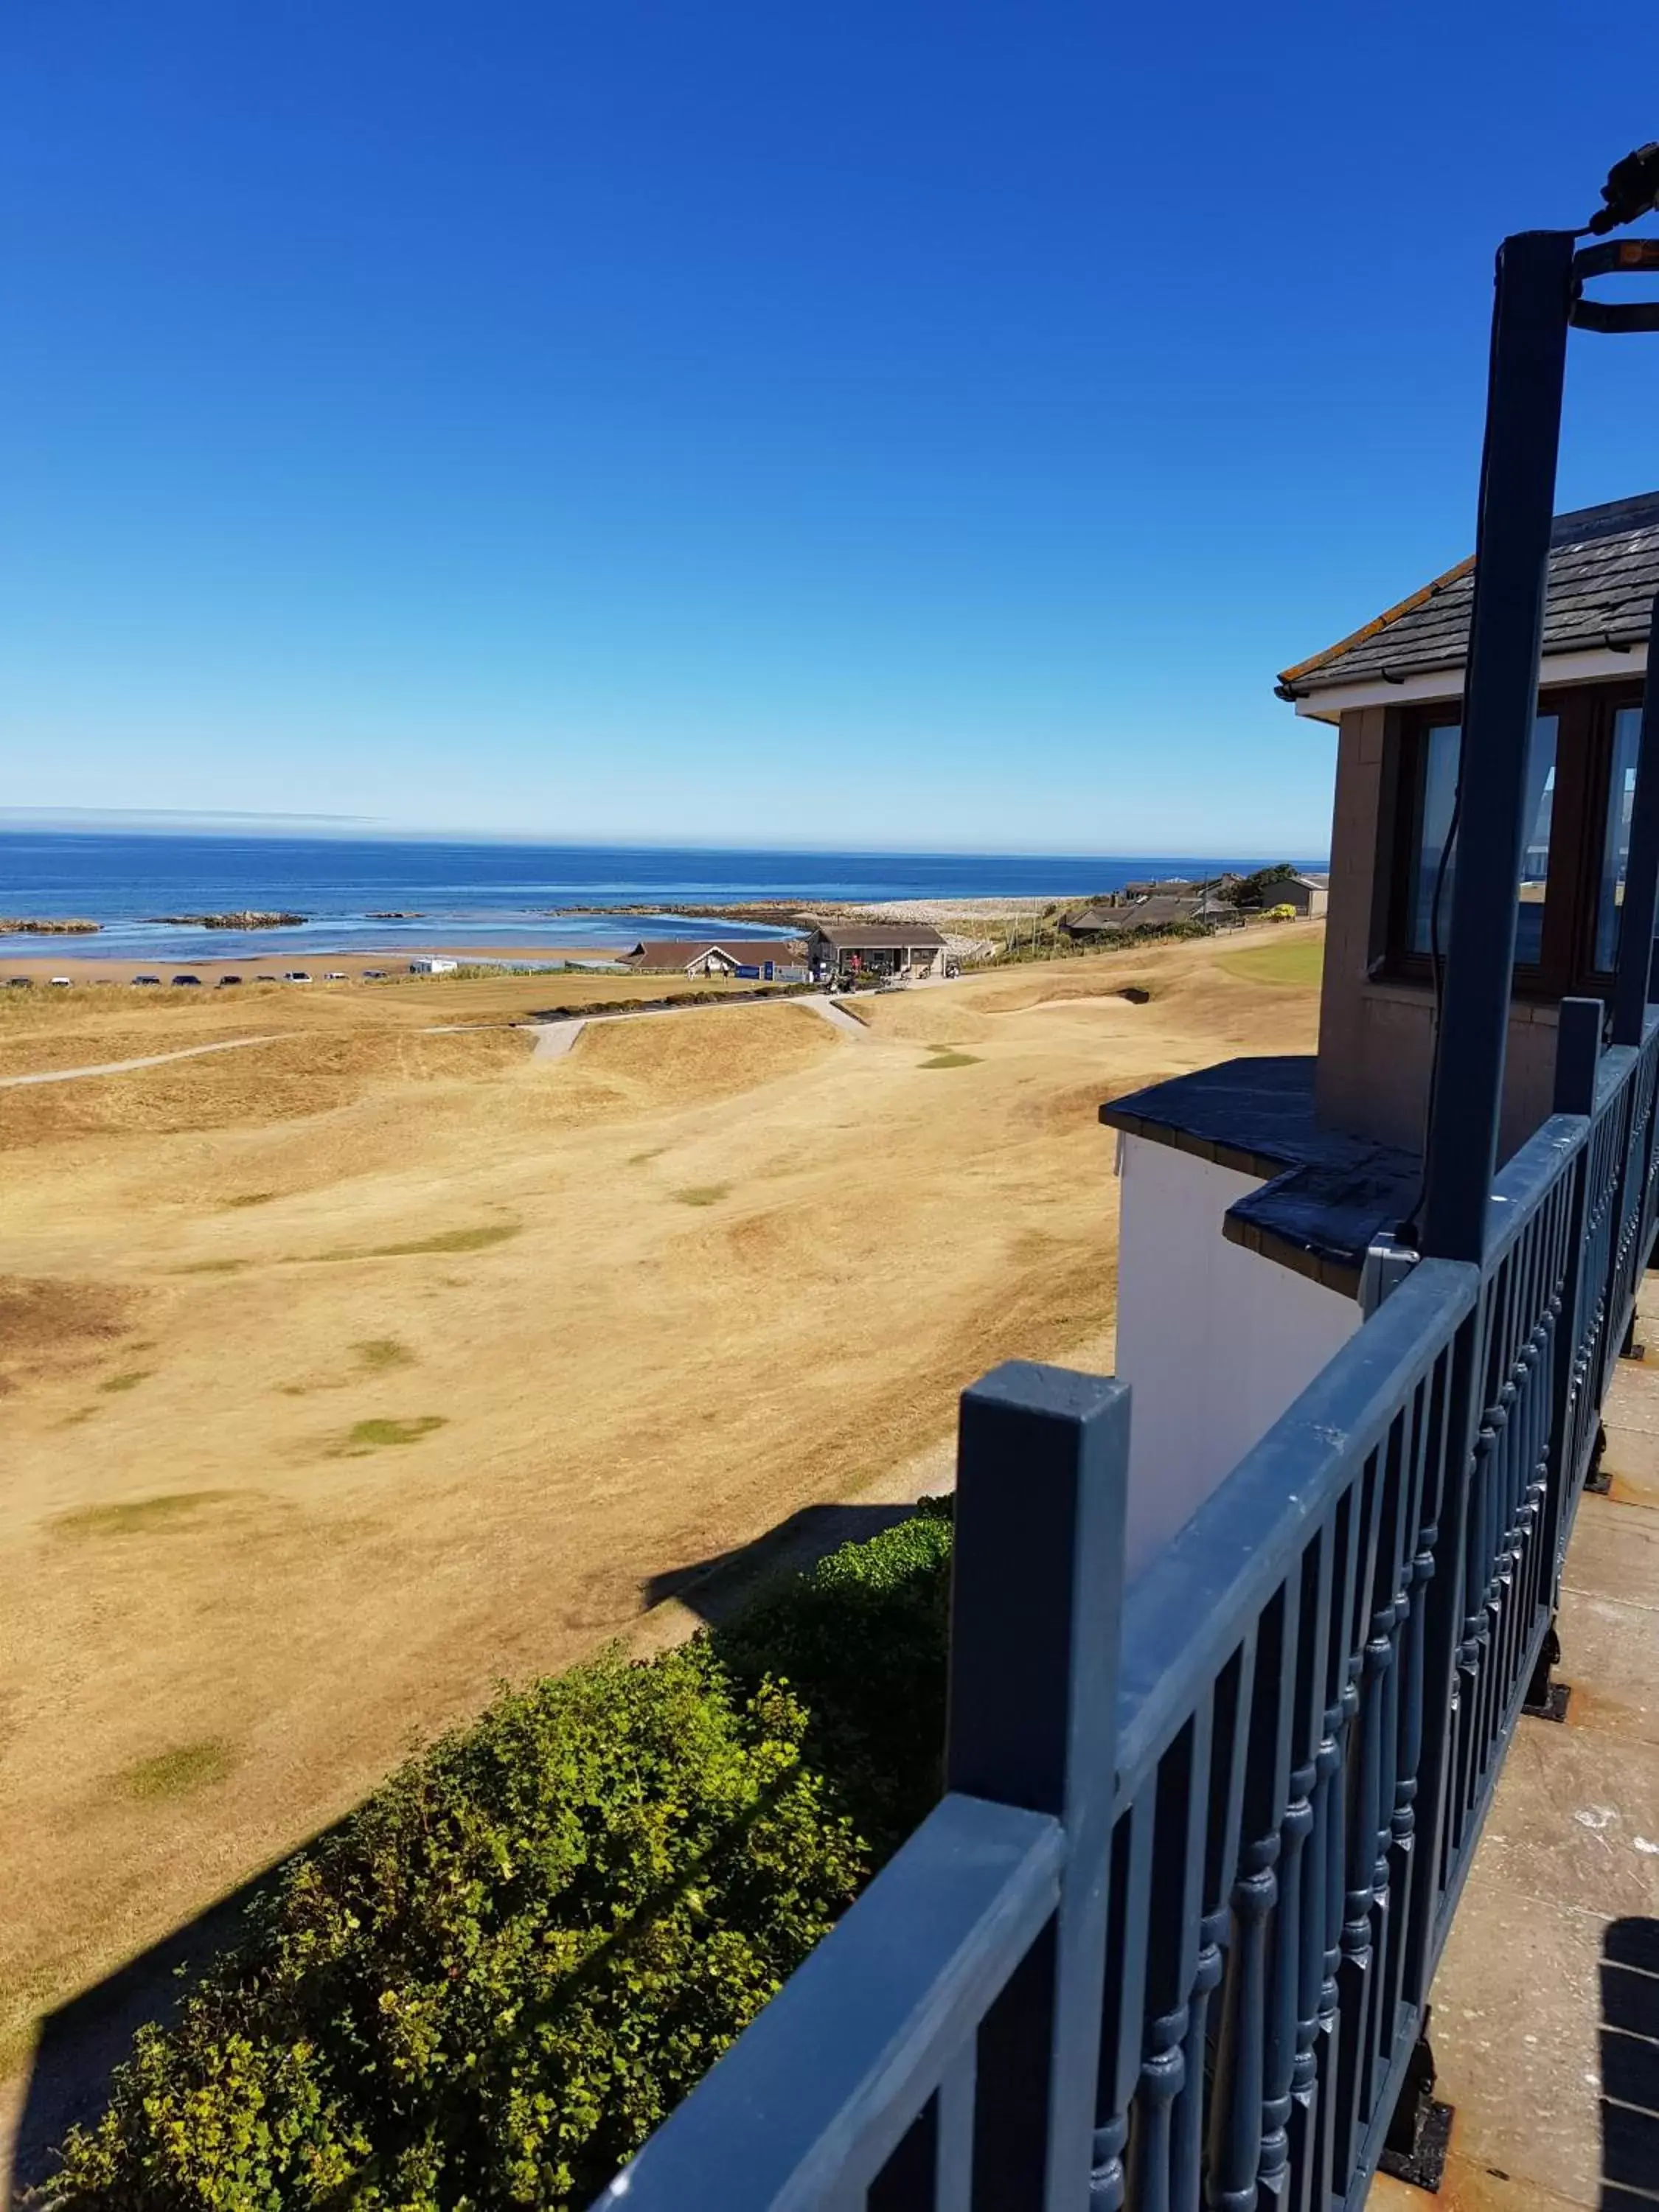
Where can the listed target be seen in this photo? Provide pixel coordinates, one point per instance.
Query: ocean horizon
(479, 892)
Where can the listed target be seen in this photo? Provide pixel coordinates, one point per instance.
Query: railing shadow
(1629, 2065)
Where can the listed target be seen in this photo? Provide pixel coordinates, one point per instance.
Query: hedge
(490, 1983)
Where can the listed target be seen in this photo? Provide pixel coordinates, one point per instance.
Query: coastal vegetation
(492, 1982)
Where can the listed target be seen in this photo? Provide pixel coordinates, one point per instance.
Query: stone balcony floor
(1545, 2007)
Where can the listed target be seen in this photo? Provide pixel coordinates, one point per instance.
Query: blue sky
(887, 425)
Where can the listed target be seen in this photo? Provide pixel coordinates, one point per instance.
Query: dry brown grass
(534, 1373)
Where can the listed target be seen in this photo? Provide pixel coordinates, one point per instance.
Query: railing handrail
(857, 2037)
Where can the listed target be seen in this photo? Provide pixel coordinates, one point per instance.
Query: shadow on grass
(717, 1587)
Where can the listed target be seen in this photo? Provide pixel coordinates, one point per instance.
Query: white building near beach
(433, 963)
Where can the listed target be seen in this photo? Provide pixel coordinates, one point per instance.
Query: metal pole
(1630, 988)
(1512, 542)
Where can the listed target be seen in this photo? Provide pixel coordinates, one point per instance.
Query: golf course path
(121, 1066)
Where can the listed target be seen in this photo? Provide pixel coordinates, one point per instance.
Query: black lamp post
(1540, 276)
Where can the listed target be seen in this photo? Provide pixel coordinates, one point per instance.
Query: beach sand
(272, 963)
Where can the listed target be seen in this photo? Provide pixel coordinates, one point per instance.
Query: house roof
(886, 937)
(1149, 914)
(679, 952)
(1603, 573)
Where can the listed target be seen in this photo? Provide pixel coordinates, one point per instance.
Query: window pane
(1435, 794)
(1535, 847)
(1615, 842)
(1434, 810)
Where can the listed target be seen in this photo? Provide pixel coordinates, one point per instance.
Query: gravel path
(120, 1066)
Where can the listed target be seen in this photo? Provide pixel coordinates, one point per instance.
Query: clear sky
(876, 423)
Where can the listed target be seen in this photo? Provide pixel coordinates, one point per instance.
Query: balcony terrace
(1546, 2027)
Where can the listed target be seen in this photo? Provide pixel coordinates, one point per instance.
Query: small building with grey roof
(901, 950)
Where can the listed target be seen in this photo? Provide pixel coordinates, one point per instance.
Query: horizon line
(149, 821)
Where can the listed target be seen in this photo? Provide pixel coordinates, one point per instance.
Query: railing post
(1512, 542)
(1630, 984)
(1578, 1048)
(1036, 1606)
(1578, 1057)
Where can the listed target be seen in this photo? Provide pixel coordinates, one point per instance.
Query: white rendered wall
(1214, 1341)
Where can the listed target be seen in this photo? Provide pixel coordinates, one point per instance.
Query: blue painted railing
(1167, 1940)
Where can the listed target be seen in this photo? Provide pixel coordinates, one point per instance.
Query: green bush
(490, 1984)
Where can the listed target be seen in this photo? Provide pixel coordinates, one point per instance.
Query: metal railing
(1168, 1938)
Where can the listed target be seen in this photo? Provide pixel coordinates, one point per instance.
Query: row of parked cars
(194, 982)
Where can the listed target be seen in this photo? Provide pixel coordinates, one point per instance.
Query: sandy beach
(272, 964)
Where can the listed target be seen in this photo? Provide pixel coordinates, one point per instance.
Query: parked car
(20, 983)
(296, 976)
(187, 982)
(146, 978)
(334, 975)
(60, 982)
(223, 979)
(373, 975)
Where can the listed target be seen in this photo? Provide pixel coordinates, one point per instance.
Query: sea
(487, 893)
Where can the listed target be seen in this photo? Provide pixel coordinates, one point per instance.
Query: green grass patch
(212, 1267)
(129, 1381)
(370, 1436)
(1299, 960)
(176, 1773)
(946, 1056)
(252, 1197)
(135, 1516)
(379, 1353)
(447, 1240)
(703, 1194)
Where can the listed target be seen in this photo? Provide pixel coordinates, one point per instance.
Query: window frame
(1584, 761)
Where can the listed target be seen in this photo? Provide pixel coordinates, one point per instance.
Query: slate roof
(1125, 921)
(867, 937)
(1603, 573)
(673, 954)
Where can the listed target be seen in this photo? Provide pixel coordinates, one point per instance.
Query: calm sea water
(519, 895)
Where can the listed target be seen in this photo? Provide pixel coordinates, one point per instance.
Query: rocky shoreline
(13, 925)
(248, 918)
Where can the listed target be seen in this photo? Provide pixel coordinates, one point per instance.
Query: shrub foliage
(488, 1986)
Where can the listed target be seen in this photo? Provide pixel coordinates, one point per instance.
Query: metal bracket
(1385, 1266)
(1598, 1481)
(1415, 2150)
(1546, 1700)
